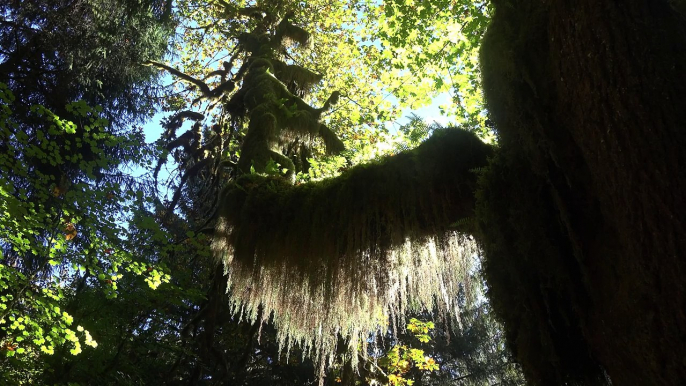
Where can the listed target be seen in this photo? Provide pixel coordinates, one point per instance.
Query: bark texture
(586, 253)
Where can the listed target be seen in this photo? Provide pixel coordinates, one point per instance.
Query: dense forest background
(285, 229)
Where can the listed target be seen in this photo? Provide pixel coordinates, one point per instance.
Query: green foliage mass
(60, 236)
(57, 52)
(64, 202)
(428, 48)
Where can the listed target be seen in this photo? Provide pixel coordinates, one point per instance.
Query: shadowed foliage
(56, 52)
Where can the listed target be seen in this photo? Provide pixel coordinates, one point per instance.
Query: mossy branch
(207, 93)
(378, 206)
(338, 253)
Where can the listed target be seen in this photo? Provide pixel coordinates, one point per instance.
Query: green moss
(378, 205)
(302, 77)
(276, 116)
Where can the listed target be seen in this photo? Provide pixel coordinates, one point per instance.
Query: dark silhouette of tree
(56, 52)
(580, 212)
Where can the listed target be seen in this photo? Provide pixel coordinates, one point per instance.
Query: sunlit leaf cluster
(63, 225)
(402, 357)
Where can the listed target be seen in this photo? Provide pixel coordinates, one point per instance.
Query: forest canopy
(101, 225)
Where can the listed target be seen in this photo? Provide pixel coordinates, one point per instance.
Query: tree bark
(589, 98)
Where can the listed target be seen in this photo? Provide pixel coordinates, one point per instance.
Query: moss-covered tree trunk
(586, 253)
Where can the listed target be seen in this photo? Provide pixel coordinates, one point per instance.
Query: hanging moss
(338, 255)
(286, 30)
(276, 115)
(300, 77)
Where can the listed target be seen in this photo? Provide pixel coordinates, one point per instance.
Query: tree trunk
(585, 255)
